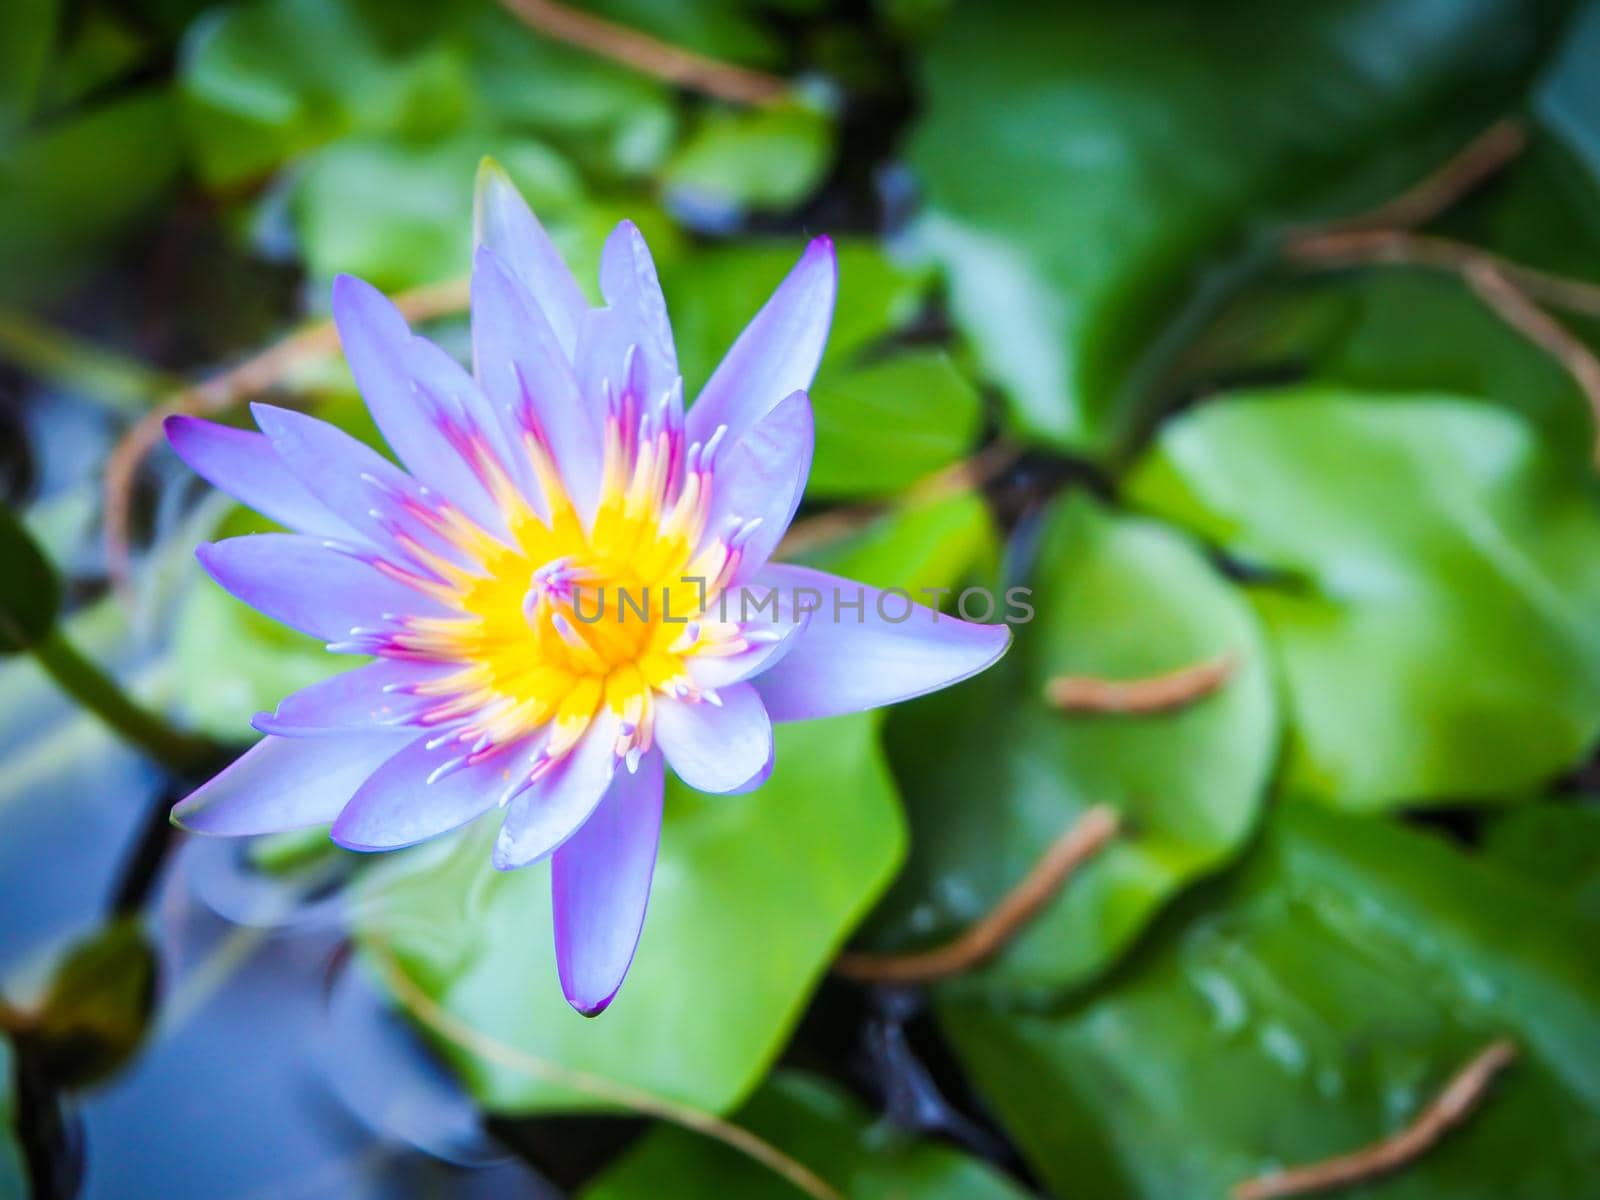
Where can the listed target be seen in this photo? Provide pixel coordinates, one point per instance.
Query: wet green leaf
(823, 1128)
(752, 896)
(30, 593)
(1308, 1007)
(992, 774)
(1436, 601)
(1085, 164)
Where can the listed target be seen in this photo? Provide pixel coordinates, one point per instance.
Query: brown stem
(1475, 163)
(673, 64)
(1507, 287)
(974, 472)
(1155, 693)
(1544, 331)
(1362, 247)
(453, 1029)
(1451, 1107)
(989, 935)
(257, 374)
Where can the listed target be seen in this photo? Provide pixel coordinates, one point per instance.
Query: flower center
(566, 619)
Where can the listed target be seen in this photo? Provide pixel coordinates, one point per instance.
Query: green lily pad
(923, 545)
(767, 158)
(1555, 845)
(883, 420)
(886, 424)
(713, 294)
(1085, 164)
(752, 896)
(1308, 1006)
(992, 774)
(821, 1127)
(230, 661)
(233, 663)
(1434, 589)
(1392, 330)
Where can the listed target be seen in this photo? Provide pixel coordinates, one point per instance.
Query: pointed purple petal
(243, 464)
(841, 665)
(627, 346)
(771, 637)
(300, 581)
(778, 352)
(761, 478)
(439, 376)
(546, 814)
(629, 284)
(399, 806)
(353, 480)
(418, 395)
(373, 696)
(284, 783)
(600, 885)
(507, 226)
(716, 748)
(470, 417)
(530, 378)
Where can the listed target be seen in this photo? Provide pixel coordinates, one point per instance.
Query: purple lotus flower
(567, 587)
